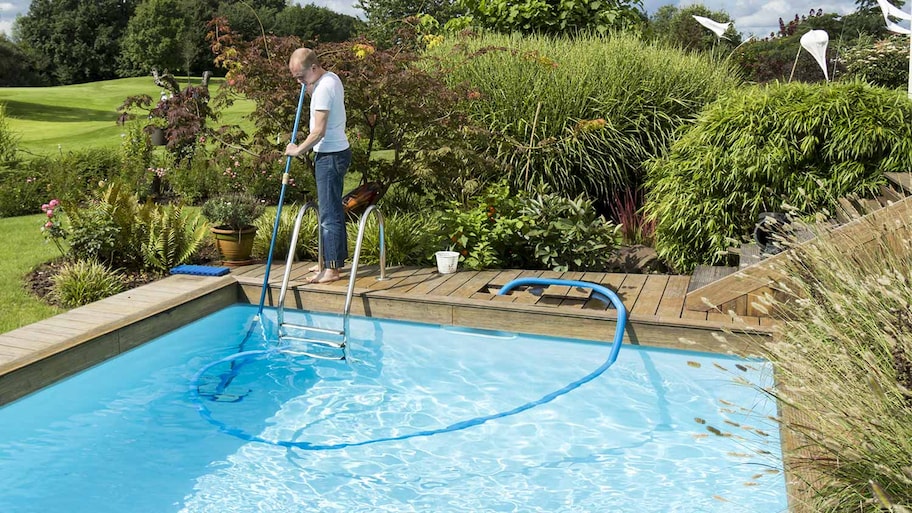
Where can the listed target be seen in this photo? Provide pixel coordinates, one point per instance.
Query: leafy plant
(53, 229)
(884, 62)
(567, 234)
(9, 142)
(233, 210)
(21, 188)
(85, 281)
(173, 238)
(569, 16)
(307, 237)
(795, 146)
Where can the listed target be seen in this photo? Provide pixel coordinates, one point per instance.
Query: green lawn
(22, 250)
(49, 119)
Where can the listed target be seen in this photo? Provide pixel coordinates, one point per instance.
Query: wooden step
(705, 274)
(901, 180)
(750, 255)
(889, 194)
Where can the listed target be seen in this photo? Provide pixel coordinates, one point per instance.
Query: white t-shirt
(329, 95)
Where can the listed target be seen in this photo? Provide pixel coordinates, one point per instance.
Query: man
(332, 155)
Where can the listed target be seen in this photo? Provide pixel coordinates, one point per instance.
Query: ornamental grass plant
(843, 360)
(580, 114)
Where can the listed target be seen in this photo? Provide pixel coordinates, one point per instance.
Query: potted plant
(233, 216)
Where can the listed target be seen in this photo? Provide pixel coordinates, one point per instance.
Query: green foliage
(172, 238)
(843, 359)
(75, 175)
(312, 22)
(233, 210)
(307, 236)
(567, 234)
(22, 189)
(112, 228)
(566, 16)
(74, 41)
(16, 67)
(152, 39)
(85, 281)
(9, 141)
(384, 16)
(410, 238)
(883, 63)
(769, 147)
(675, 26)
(580, 115)
(489, 233)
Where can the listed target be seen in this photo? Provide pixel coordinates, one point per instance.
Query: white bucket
(446, 261)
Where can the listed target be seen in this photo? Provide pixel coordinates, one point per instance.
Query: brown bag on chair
(363, 196)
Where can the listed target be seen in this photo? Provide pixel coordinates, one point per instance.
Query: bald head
(302, 59)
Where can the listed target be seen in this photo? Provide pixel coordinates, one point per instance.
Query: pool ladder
(333, 344)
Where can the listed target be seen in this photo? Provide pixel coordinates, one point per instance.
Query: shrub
(85, 281)
(766, 148)
(9, 142)
(112, 228)
(581, 114)
(843, 359)
(567, 234)
(21, 190)
(74, 176)
(172, 238)
(884, 63)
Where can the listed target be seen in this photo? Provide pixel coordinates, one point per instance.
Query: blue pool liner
(200, 270)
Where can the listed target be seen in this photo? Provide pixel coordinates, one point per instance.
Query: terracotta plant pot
(157, 137)
(235, 246)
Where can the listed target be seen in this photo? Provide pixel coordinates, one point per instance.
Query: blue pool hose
(598, 291)
(275, 226)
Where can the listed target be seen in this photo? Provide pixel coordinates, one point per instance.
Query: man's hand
(292, 150)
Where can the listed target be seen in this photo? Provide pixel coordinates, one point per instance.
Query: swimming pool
(661, 430)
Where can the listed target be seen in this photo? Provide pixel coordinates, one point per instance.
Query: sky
(757, 17)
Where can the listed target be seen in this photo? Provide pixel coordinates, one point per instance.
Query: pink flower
(54, 203)
(50, 212)
(48, 225)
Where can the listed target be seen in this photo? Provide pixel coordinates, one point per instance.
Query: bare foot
(314, 269)
(327, 276)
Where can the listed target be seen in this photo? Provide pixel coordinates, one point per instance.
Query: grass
(63, 118)
(22, 250)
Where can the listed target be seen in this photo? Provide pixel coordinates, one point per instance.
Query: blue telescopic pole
(275, 226)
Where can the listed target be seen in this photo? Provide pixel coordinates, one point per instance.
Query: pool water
(162, 429)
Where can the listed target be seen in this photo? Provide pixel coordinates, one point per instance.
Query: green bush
(770, 148)
(884, 63)
(567, 234)
(581, 114)
(74, 176)
(172, 238)
(22, 190)
(197, 182)
(112, 228)
(843, 360)
(9, 142)
(85, 281)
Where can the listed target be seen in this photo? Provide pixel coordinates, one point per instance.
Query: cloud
(6, 6)
(6, 27)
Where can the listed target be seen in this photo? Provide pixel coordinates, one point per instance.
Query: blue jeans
(330, 171)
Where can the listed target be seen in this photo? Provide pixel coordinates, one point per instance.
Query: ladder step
(312, 328)
(327, 343)
(295, 352)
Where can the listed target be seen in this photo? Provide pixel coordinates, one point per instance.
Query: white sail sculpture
(815, 42)
(717, 28)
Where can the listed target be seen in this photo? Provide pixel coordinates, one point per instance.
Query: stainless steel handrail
(353, 275)
(291, 253)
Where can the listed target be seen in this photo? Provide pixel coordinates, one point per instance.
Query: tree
(566, 16)
(310, 22)
(16, 68)
(677, 27)
(73, 41)
(385, 16)
(154, 38)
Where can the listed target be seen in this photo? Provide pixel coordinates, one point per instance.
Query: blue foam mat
(200, 270)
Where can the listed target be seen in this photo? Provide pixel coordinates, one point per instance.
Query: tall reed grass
(843, 361)
(580, 114)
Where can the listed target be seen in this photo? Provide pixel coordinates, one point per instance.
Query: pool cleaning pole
(275, 226)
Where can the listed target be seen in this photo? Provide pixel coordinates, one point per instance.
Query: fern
(172, 238)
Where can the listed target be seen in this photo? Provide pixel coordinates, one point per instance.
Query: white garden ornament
(717, 28)
(815, 42)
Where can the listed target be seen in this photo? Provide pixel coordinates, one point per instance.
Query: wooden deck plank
(613, 282)
(551, 295)
(394, 276)
(695, 315)
(473, 285)
(525, 297)
(455, 282)
(431, 282)
(650, 295)
(630, 289)
(406, 284)
(672, 302)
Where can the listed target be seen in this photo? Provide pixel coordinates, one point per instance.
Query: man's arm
(320, 118)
